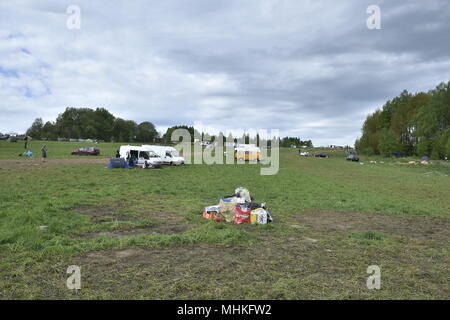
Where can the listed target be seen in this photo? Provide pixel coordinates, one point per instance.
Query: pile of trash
(238, 208)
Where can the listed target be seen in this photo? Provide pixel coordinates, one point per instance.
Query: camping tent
(117, 163)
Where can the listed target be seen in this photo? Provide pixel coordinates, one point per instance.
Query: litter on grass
(26, 154)
(436, 173)
(238, 208)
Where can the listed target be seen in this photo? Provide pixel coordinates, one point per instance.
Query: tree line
(86, 123)
(287, 142)
(100, 124)
(410, 124)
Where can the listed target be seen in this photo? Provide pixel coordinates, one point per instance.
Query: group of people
(128, 158)
(43, 148)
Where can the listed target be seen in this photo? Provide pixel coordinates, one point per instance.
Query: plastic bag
(241, 214)
(227, 204)
(212, 213)
(226, 208)
(243, 194)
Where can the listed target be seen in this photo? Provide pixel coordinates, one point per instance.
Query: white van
(169, 155)
(140, 154)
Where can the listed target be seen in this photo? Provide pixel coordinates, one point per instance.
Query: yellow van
(248, 154)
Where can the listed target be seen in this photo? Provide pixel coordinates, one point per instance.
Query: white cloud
(308, 68)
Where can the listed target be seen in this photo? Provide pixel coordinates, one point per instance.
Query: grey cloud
(308, 68)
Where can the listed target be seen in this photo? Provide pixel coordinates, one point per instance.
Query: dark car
(399, 154)
(352, 158)
(321, 155)
(87, 151)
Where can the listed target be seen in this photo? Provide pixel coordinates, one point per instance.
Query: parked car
(321, 155)
(399, 154)
(304, 154)
(352, 158)
(140, 155)
(168, 155)
(86, 151)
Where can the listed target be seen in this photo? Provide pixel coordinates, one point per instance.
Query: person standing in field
(44, 152)
(129, 159)
(26, 142)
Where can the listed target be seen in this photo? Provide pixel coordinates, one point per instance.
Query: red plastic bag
(241, 214)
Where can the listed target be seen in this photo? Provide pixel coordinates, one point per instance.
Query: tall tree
(146, 132)
(419, 122)
(124, 130)
(49, 131)
(35, 131)
(388, 142)
(103, 122)
(167, 137)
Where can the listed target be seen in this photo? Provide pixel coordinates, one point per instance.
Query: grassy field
(140, 234)
(55, 150)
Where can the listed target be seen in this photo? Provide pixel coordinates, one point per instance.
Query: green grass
(84, 206)
(55, 149)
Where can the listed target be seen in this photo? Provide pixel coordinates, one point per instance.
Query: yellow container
(253, 217)
(258, 216)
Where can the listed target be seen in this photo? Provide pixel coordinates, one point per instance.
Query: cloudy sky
(310, 68)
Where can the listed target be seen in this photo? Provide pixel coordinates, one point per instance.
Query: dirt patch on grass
(171, 217)
(108, 213)
(425, 228)
(178, 272)
(158, 207)
(9, 163)
(277, 269)
(177, 254)
(158, 229)
(316, 261)
(100, 214)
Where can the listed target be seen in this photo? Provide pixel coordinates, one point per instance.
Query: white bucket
(261, 217)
